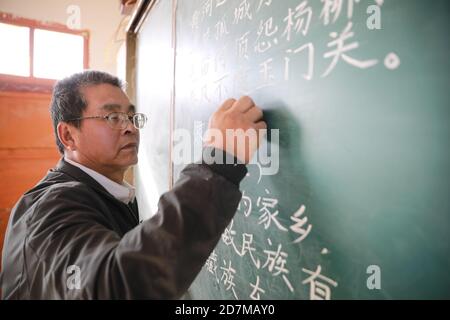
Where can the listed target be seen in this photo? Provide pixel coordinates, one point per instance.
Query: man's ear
(67, 135)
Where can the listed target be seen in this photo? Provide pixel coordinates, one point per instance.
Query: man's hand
(235, 127)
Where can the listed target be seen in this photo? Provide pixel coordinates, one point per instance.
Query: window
(34, 55)
(57, 54)
(14, 56)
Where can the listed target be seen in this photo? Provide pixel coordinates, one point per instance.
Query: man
(76, 234)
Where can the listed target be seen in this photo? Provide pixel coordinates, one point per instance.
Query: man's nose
(130, 128)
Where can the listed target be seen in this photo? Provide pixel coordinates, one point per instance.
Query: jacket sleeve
(158, 259)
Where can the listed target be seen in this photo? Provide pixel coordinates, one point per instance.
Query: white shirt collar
(123, 192)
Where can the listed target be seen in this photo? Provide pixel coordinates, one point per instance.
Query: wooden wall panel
(27, 147)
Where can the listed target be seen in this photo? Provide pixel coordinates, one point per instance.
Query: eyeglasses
(119, 120)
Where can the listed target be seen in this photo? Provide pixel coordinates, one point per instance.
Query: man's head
(94, 142)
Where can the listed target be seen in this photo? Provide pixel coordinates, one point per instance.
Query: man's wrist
(224, 164)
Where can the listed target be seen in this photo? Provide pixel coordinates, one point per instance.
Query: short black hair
(68, 101)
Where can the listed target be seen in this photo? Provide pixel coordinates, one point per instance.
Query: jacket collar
(121, 191)
(79, 175)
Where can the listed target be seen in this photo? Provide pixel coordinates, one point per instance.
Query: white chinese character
(228, 237)
(277, 260)
(247, 203)
(221, 28)
(242, 44)
(221, 89)
(242, 12)
(228, 277)
(299, 20)
(350, 8)
(211, 264)
(334, 7)
(266, 71)
(265, 30)
(310, 64)
(256, 290)
(342, 48)
(319, 284)
(195, 20)
(206, 35)
(298, 227)
(220, 2)
(247, 240)
(263, 2)
(267, 217)
(207, 8)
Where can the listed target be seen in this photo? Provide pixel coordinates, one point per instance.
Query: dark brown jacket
(68, 219)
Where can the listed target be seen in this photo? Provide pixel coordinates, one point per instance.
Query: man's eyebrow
(116, 107)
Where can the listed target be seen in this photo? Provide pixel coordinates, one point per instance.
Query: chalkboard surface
(359, 207)
(154, 83)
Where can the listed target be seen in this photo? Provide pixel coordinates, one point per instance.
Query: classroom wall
(101, 17)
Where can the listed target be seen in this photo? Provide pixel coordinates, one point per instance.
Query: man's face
(98, 143)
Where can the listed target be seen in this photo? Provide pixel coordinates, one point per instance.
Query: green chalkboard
(359, 207)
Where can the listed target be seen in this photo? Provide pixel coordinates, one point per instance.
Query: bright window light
(15, 51)
(57, 54)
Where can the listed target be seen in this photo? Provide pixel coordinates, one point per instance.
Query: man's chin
(133, 161)
(130, 160)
